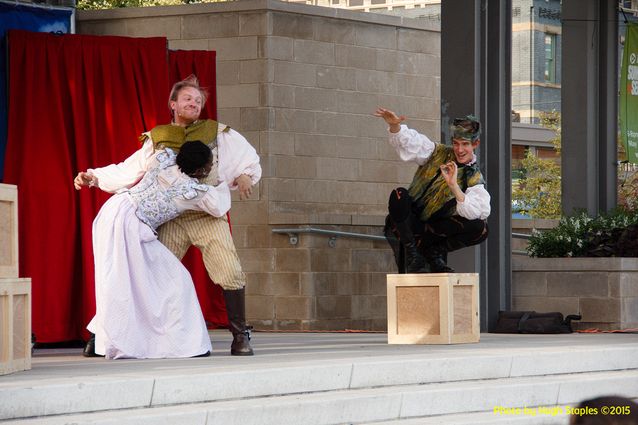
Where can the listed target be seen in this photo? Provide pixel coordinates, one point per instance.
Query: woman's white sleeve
(215, 201)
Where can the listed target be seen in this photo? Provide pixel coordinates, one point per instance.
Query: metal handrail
(520, 236)
(293, 234)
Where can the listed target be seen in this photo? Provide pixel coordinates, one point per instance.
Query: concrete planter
(603, 290)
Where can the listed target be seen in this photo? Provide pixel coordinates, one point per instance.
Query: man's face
(188, 106)
(464, 150)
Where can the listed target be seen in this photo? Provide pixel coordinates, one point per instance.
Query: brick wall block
(294, 308)
(235, 48)
(210, 26)
(310, 51)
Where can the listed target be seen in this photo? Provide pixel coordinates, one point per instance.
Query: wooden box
(8, 231)
(15, 325)
(433, 308)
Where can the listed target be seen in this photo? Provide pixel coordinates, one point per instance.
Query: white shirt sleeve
(115, 177)
(215, 201)
(236, 157)
(476, 204)
(411, 145)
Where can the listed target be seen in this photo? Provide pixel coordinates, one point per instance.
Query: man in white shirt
(446, 206)
(235, 162)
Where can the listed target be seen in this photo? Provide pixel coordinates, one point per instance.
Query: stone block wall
(301, 83)
(603, 290)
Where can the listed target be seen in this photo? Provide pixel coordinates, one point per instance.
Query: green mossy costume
(174, 136)
(429, 190)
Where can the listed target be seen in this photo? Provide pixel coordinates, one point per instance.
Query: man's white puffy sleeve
(236, 157)
(411, 145)
(476, 204)
(125, 174)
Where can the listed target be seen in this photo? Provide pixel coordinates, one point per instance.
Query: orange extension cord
(614, 331)
(347, 331)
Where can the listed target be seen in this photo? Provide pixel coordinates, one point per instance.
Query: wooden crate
(15, 325)
(8, 230)
(433, 308)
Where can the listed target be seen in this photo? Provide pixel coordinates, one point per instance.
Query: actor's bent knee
(399, 204)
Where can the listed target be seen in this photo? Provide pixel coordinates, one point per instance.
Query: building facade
(536, 46)
(536, 58)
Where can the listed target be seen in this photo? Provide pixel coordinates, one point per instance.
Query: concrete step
(428, 404)
(201, 384)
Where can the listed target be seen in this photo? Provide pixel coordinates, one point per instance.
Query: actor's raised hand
(245, 186)
(450, 173)
(84, 179)
(392, 119)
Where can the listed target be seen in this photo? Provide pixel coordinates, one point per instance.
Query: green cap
(466, 128)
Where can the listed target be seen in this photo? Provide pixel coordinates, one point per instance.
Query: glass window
(550, 58)
(548, 153)
(518, 154)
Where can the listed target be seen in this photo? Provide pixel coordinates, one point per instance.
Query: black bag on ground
(531, 322)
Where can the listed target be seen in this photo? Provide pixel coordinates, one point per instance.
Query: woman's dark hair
(193, 156)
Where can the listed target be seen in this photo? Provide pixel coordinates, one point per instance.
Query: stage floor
(273, 349)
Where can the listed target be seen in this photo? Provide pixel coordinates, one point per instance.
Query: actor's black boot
(89, 348)
(236, 309)
(436, 256)
(414, 261)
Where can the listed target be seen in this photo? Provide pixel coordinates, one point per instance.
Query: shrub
(583, 236)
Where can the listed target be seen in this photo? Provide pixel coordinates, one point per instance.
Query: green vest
(429, 190)
(174, 136)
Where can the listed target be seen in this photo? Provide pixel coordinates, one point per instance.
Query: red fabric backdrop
(75, 102)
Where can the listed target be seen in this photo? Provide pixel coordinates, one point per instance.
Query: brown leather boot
(414, 261)
(436, 256)
(89, 348)
(236, 309)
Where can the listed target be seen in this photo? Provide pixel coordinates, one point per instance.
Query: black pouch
(531, 322)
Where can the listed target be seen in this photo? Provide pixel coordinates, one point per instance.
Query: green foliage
(551, 121)
(581, 235)
(538, 192)
(113, 4)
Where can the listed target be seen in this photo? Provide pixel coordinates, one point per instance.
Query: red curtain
(182, 63)
(75, 101)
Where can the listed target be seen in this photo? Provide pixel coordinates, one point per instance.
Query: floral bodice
(155, 203)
